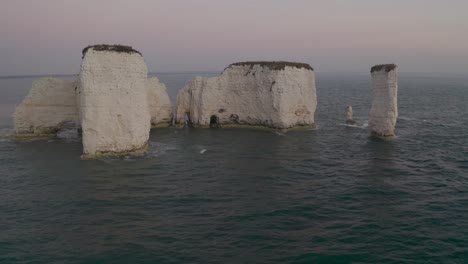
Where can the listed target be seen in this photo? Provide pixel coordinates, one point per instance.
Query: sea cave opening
(214, 121)
(187, 119)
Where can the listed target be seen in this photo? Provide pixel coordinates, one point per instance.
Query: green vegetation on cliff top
(273, 65)
(106, 47)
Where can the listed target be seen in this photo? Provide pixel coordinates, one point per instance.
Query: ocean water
(324, 195)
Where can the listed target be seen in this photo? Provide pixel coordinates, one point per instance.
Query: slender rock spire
(384, 111)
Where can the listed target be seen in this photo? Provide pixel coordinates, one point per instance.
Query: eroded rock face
(384, 111)
(269, 94)
(113, 102)
(159, 103)
(50, 106)
(114, 110)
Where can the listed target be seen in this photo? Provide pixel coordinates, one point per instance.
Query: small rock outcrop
(50, 106)
(278, 95)
(114, 110)
(384, 111)
(159, 103)
(349, 116)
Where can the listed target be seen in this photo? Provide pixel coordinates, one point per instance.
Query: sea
(330, 194)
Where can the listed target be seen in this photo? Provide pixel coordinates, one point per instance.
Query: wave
(157, 149)
(363, 125)
(405, 118)
(432, 122)
(416, 120)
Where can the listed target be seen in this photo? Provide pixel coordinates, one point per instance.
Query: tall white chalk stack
(384, 111)
(114, 111)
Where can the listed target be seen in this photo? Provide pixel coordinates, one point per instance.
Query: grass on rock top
(115, 48)
(387, 67)
(273, 65)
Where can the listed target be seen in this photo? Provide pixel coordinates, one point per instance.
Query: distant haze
(47, 36)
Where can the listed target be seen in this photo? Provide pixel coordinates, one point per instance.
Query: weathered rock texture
(49, 107)
(113, 102)
(114, 110)
(384, 111)
(159, 103)
(269, 94)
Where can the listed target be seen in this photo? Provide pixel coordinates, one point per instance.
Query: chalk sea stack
(159, 103)
(275, 94)
(50, 106)
(349, 116)
(114, 110)
(113, 102)
(384, 111)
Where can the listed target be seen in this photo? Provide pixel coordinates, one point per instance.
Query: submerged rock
(384, 111)
(50, 106)
(114, 110)
(269, 94)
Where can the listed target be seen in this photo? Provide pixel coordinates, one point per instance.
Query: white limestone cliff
(277, 95)
(114, 110)
(384, 111)
(49, 107)
(114, 103)
(159, 103)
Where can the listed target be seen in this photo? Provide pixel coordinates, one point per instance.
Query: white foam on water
(358, 125)
(129, 158)
(157, 149)
(112, 160)
(435, 123)
(407, 118)
(279, 134)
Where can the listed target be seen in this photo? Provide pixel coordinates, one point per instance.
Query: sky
(47, 36)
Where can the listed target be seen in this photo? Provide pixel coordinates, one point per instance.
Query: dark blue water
(329, 195)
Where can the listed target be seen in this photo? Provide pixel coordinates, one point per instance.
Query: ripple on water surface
(329, 195)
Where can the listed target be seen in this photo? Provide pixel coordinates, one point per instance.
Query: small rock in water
(349, 116)
(351, 123)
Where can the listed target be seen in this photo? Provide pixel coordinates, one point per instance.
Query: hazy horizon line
(220, 72)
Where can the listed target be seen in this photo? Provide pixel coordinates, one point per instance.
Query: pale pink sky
(47, 36)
